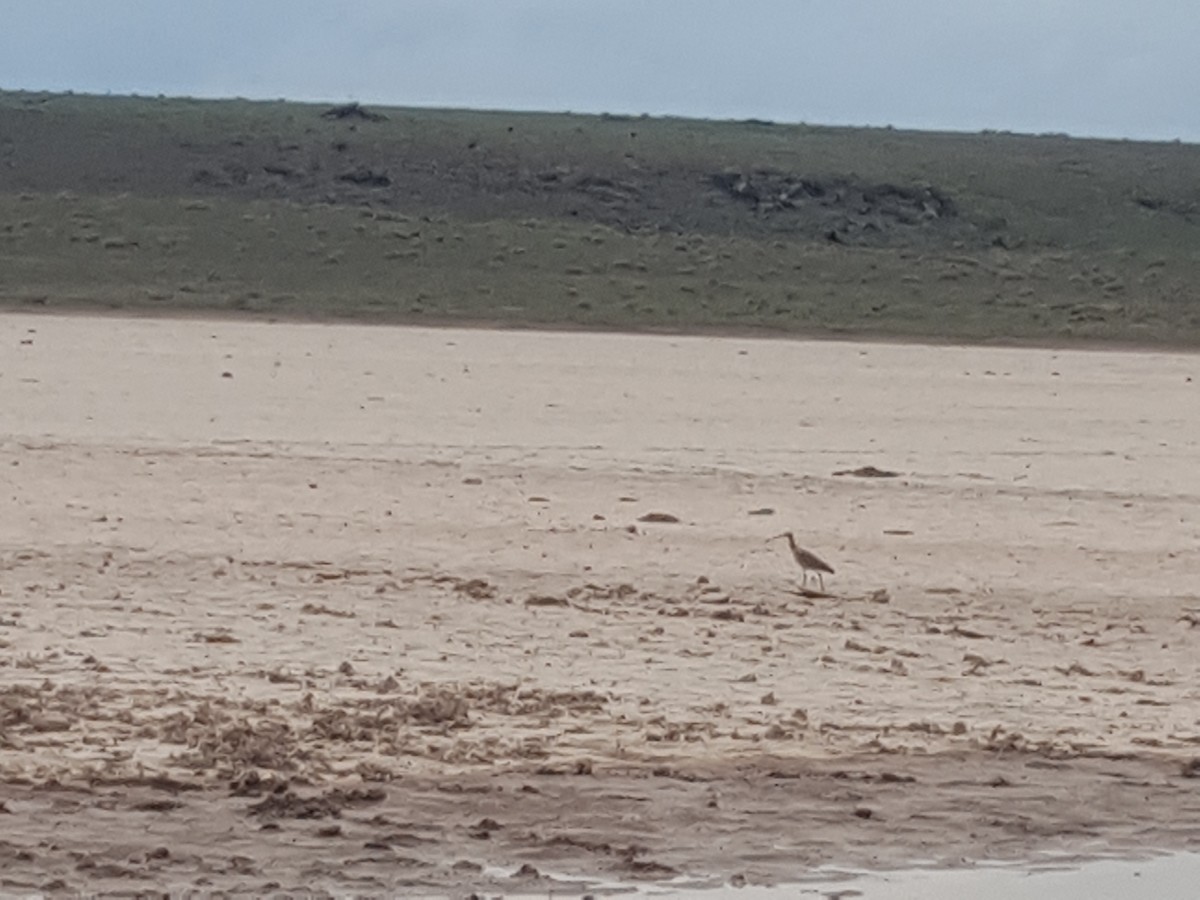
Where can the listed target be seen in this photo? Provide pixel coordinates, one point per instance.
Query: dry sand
(365, 608)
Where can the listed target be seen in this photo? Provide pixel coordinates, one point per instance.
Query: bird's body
(807, 561)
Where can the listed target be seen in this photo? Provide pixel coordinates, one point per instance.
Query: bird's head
(786, 534)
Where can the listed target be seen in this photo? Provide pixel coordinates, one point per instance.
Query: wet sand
(375, 609)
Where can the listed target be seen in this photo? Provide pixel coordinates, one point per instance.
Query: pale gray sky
(1109, 68)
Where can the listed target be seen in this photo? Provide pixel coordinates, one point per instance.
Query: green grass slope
(406, 215)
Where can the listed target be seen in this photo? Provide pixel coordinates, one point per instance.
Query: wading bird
(808, 562)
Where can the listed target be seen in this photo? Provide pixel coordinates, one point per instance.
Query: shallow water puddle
(1173, 876)
(1170, 877)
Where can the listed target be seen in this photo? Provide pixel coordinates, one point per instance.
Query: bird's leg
(804, 578)
(821, 582)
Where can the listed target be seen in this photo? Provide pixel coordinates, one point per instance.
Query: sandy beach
(401, 610)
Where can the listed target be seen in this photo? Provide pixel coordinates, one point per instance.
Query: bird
(808, 562)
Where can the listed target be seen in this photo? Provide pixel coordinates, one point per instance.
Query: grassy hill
(406, 215)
